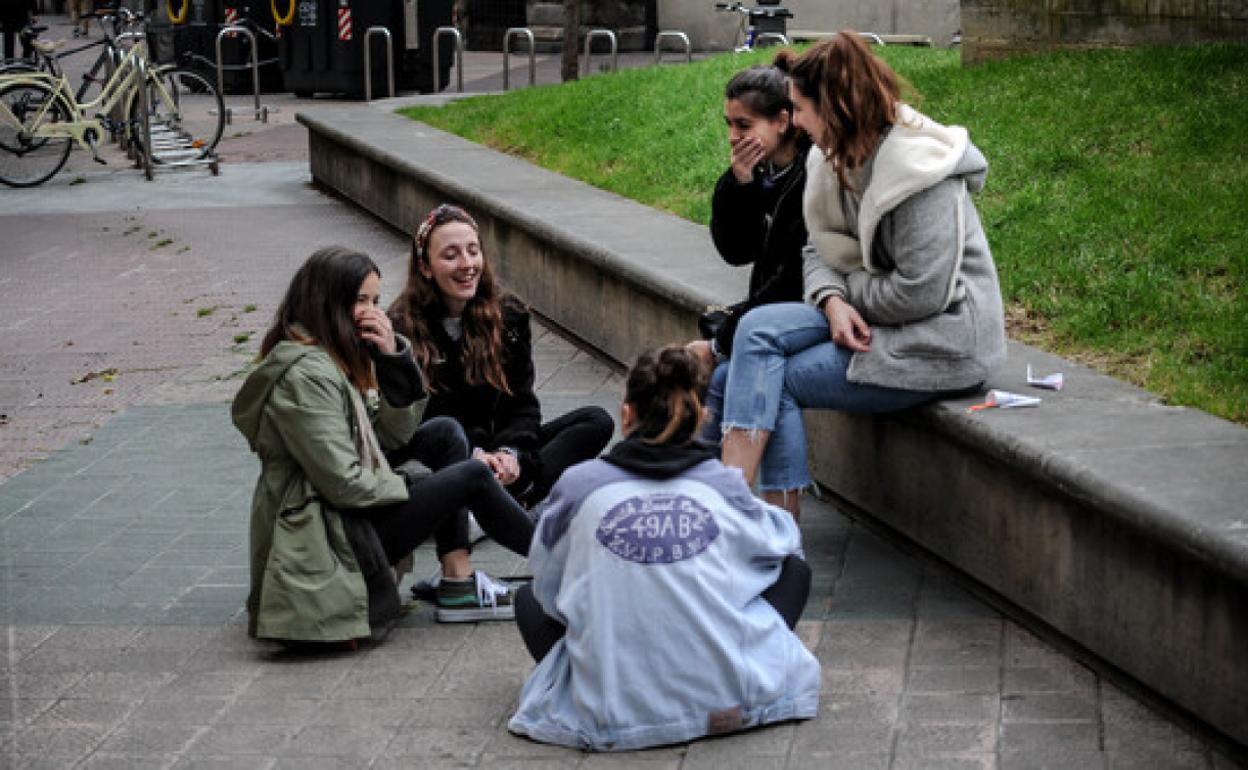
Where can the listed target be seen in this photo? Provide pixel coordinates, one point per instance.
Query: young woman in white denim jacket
(902, 299)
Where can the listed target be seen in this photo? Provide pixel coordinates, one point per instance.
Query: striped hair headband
(444, 213)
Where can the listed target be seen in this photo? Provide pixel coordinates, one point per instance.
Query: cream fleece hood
(916, 154)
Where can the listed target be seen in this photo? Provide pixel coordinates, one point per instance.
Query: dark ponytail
(664, 391)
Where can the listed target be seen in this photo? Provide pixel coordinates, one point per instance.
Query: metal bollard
(589, 41)
(527, 33)
(368, 64)
(672, 35)
(262, 113)
(459, 58)
(145, 125)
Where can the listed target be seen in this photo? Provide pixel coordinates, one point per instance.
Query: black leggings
(437, 505)
(540, 631)
(577, 436)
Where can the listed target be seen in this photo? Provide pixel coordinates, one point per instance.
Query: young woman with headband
(474, 346)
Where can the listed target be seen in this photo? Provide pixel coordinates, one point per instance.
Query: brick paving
(123, 562)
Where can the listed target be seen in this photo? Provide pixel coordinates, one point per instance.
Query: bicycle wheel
(185, 112)
(26, 158)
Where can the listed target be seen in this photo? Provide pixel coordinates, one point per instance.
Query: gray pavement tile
(435, 713)
(69, 743)
(848, 655)
(824, 734)
(321, 763)
(962, 679)
(1053, 758)
(439, 744)
(84, 712)
(231, 739)
(191, 709)
(653, 759)
(17, 683)
(1065, 675)
(504, 745)
(950, 708)
(96, 637)
(289, 712)
(1041, 706)
(18, 712)
(122, 686)
(839, 760)
(1035, 736)
(858, 707)
(388, 712)
(105, 761)
(865, 680)
(1140, 761)
(929, 740)
(386, 684)
(358, 742)
(960, 762)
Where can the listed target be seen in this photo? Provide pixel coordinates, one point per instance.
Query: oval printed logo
(658, 529)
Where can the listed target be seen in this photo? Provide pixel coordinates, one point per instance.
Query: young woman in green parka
(335, 387)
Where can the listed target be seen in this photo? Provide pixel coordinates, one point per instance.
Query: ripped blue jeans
(783, 361)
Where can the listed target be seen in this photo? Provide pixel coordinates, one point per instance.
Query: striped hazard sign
(231, 18)
(344, 23)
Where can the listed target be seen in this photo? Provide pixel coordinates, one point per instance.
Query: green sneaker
(480, 597)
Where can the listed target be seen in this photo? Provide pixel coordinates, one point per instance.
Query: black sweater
(763, 225)
(491, 418)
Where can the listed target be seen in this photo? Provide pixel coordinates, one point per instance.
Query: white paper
(1004, 399)
(1048, 382)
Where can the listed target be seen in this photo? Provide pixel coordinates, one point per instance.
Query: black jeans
(540, 631)
(437, 505)
(577, 436)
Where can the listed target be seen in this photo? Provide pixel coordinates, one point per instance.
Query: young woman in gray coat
(902, 300)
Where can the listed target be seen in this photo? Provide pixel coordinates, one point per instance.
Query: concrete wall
(712, 30)
(995, 28)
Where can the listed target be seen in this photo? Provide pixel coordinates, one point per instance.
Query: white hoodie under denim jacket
(908, 252)
(658, 580)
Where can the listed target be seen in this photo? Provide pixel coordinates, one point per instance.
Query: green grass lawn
(1116, 205)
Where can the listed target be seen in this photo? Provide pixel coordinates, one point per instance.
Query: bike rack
(778, 37)
(672, 35)
(163, 143)
(459, 58)
(589, 42)
(262, 113)
(368, 66)
(526, 33)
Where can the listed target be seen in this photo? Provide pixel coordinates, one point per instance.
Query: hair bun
(677, 369)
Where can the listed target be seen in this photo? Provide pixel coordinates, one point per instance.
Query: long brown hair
(663, 389)
(420, 304)
(855, 94)
(317, 310)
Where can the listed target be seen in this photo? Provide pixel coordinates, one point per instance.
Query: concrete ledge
(1118, 521)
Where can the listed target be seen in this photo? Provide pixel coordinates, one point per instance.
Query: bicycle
(41, 117)
(772, 18)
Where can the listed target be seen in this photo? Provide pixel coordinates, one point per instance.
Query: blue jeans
(783, 361)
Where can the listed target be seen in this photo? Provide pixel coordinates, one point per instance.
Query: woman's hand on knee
(846, 324)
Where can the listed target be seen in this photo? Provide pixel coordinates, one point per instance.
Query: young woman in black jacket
(756, 209)
(474, 346)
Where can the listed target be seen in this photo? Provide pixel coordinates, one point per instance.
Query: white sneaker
(480, 597)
